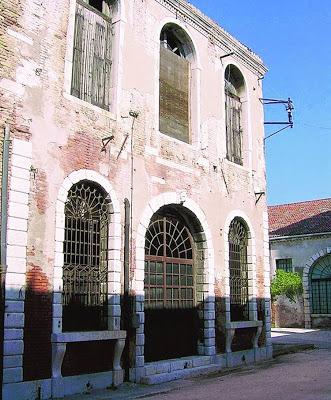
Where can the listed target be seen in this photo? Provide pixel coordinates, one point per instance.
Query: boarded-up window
(91, 73)
(233, 128)
(174, 95)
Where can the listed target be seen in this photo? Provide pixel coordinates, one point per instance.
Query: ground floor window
(85, 271)
(238, 266)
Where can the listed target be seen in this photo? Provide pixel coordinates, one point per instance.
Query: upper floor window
(234, 90)
(92, 52)
(284, 264)
(175, 82)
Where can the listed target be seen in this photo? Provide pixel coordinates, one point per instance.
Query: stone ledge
(180, 374)
(69, 337)
(243, 324)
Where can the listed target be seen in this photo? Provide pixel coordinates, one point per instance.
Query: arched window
(238, 265)
(175, 82)
(92, 52)
(320, 278)
(169, 275)
(85, 271)
(234, 90)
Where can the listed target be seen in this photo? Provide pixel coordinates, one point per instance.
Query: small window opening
(97, 4)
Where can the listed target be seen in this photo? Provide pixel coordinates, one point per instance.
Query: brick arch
(305, 281)
(152, 207)
(114, 274)
(252, 258)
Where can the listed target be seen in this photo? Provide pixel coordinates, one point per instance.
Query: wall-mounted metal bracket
(289, 108)
(105, 141)
(227, 55)
(258, 196)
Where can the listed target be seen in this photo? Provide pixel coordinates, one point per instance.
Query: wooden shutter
(174, 95)
(92, 57)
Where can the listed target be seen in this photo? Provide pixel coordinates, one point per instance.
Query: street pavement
(321, 338)
(301, 376)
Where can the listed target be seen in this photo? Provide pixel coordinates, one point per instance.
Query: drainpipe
(126, 301)
(127, 247)
(3, 233)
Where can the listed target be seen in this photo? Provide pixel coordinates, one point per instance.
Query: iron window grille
(285, 264)
(85, 271)
(169, 270)
(92, 56)
(233, 112)
(321, 286)
(238, 265)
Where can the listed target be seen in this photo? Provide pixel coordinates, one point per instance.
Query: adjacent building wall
(303, 251)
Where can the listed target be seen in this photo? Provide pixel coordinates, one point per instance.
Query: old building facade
(300, 241)
(137, 239)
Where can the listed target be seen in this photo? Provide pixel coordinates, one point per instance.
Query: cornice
(189, 14)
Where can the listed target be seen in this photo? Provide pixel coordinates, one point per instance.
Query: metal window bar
(284, 264)
(169, 270)
(85, 271)
(321, 286)
(233, 111)
(238, 266)
(91, 69)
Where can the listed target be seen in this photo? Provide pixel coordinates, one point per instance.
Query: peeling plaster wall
(65, 133)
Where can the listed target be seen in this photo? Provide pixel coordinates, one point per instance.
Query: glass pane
(159, 268)
(183, 268)
(176, 269)
(169, 280)
(152, 267)
(176, 280)
(169, 268)
(159, 279)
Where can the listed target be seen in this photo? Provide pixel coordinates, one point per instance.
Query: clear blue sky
(294, 40)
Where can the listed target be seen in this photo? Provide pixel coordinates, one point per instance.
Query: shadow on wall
(168, 333)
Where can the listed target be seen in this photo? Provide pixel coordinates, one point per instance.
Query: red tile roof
(300, 218)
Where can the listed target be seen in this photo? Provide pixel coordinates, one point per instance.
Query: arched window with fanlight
(172, 324)
(238, 268)
(85, 271)
(234, 92)
(320, 281)
(169, 275)
(176, 55)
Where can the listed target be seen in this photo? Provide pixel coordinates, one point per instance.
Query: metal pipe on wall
(3, 249)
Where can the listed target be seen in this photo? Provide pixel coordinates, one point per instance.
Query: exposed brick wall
(38, 326)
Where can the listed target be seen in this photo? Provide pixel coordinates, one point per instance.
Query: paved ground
(320, 338)
(301, 376)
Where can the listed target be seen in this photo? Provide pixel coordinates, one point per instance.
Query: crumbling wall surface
(66, 135)
(288, 314)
